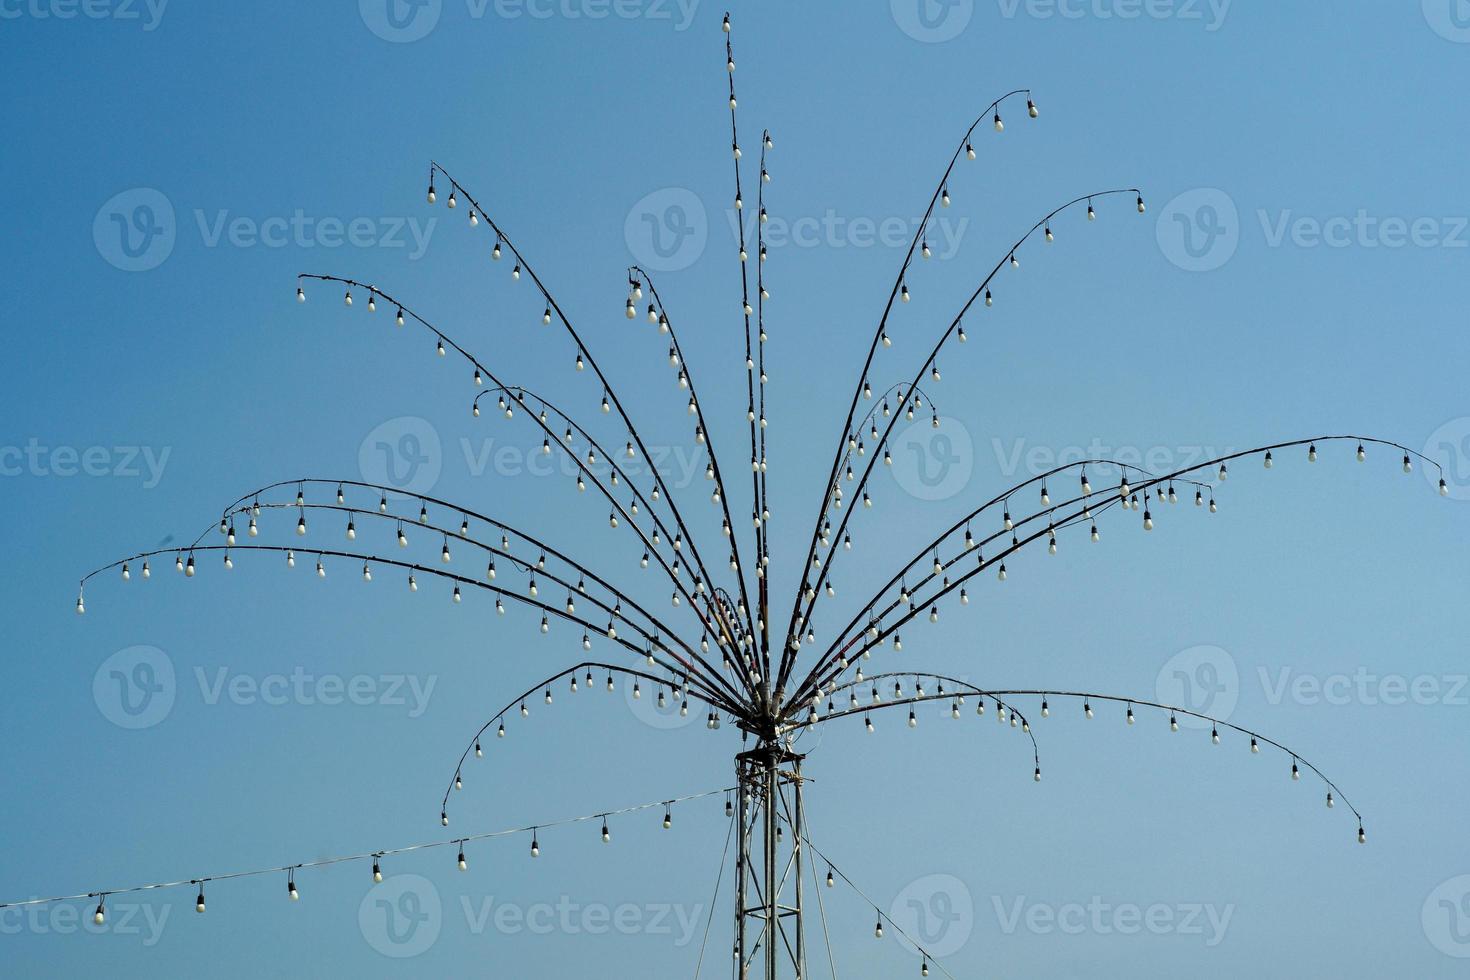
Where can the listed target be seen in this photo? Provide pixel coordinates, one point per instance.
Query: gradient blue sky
(1301, 270)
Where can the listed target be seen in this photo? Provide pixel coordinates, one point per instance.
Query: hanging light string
(799, 619)
(702, 434)
(721, 632)
(416, 568)
(879, 703)
(251, 504)
(610, 392)
(764, 689)
(553, 438)
(374, 856)
(1086, 505)
(761, 506)
(966, 147)
(1002, 500)
(708, 681)
(476, 744)
(655, 627)
(1004, 710)
(882, 916)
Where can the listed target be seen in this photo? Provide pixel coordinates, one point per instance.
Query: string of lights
(376, 857)
(773, 691)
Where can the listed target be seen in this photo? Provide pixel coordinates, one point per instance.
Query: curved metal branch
(722, 633)
(655, 627)
(553, 306)
(964, 146)
(417, 568)
(704, 435)
(1001, 498)
(240, 505)
(587, 665)
(1088, 505)
(799, 619)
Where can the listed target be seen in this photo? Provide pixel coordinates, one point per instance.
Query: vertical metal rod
(773, 906)
(797, 832)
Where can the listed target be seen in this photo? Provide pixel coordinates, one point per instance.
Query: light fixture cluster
(770, 678)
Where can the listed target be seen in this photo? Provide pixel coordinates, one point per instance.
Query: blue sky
(171, 167)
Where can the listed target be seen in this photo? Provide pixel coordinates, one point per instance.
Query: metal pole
(773, 908)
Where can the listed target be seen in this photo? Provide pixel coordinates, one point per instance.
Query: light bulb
(1031, 109)
(377, 871)
(999, 125)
